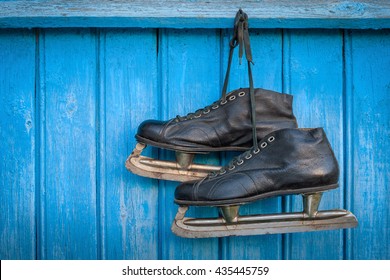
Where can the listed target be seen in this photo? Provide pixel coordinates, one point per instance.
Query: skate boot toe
(150, 129)
(185, 192)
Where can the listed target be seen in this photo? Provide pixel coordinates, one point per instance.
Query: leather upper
(223, 124)
(288, 159)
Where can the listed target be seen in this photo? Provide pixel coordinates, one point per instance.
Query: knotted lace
(240, 39)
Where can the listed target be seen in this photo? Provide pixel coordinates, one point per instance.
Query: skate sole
(240, 201)
(190, 150)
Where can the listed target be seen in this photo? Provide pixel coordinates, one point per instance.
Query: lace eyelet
(231, 98)
(256, 151)
(223, 172)
(271, 139)
(241, 94)
(197, 116)
(223, 102)
(263, 145)
(232, 167)
(240, 162)
(206, 112)
(248, 156)
(215, 107)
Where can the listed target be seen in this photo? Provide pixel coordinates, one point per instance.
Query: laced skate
(232, 123)
(285, 162)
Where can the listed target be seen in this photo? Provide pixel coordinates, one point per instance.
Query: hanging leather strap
(241, 39)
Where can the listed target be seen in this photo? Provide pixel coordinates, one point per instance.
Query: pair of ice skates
(278, 159)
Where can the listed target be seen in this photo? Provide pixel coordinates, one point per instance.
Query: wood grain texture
(78, 96)
(190, 80)
(69, 121)
(267, 73)
(314, 75)
(195, 14)
(129, 203)
(368, 97)
(17, 145)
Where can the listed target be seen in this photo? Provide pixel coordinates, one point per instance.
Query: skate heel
(311, 202)
(230, 213)
(184, 159)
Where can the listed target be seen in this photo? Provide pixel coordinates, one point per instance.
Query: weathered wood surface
(368, 141)
(195, 14)
(68, 121)
(71, 101)
(18, 146)
(190, 80)
(316, 80)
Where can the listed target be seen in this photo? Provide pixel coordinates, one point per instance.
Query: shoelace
(236, 161)
(207, 109)
(241, 39)
(239, 160)
(199, 112)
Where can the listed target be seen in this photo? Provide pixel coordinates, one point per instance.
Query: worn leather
(222, 126)
(291, 161)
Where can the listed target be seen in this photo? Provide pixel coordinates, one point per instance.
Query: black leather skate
(233, 123)
(287, 161)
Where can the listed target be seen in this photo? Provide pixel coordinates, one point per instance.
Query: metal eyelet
(248, 156)
(206, 112)
(241, 94)
(232, 167)
(197, 116)
(231, 98)
(240, 162)
(271, 139)
(215, 107)
(263, 145)
(223, 172)
(256, 151)
(223, 102)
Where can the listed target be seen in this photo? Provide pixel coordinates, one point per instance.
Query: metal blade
(166, 170)
(261, 224)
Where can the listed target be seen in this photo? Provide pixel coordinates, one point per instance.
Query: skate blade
(182, 171)
(261, 224)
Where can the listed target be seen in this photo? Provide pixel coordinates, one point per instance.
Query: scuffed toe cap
(151, 129)
(184, 192)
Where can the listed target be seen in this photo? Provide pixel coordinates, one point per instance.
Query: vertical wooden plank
(267, 73)
(368, 100)
(190, 77)
(129, 97)
(315, 77)
(17, 145)
(69, 121)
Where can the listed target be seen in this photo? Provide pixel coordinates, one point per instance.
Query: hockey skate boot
(233, 123)
(285, 162)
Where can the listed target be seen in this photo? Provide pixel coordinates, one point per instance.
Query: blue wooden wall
(71, 101)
